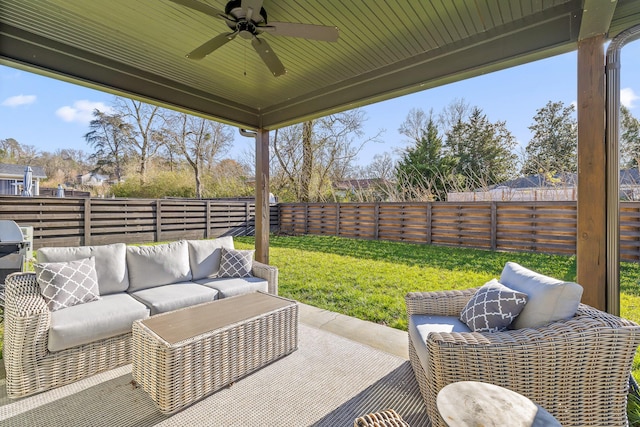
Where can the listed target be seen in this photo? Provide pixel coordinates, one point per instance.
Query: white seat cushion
(420, 326)
(172, 297)
(110, 316)
(234, 286)
(549, 299)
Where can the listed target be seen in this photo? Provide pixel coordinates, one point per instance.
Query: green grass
(368, 279)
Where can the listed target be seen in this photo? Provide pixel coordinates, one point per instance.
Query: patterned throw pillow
(235, 263)
(493, 307)
(65, 284)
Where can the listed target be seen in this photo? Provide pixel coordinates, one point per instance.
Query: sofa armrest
(27, 321)
(439, 303)
(267, 272)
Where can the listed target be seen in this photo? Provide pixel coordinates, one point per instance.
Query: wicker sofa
(576, 368)
(44, 349)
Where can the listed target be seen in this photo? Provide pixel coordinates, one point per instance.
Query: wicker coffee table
(184, 355)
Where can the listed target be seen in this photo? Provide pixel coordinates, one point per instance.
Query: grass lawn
(368, 279)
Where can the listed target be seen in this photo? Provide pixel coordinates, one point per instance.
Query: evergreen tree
(481, 151)
(420, 168)
(553, 148)
(629, 139)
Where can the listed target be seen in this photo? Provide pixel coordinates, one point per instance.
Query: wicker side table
(386, 418)
(185, 355)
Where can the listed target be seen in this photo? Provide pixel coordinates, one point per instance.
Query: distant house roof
(627, 177)
(17, 171)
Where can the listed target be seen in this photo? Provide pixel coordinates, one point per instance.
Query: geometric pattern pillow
(65, 284)
(235, 263)
(493, 307)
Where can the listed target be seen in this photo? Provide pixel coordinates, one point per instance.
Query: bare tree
(110, 137)
(145, 121)
(311, 155)
(198, 140)
(13, 152)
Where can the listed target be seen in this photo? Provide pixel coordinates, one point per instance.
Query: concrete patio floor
(384, 338)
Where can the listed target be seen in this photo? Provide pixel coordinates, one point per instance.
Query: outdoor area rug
(328, 381)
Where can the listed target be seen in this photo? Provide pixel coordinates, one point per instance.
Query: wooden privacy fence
(83, 221)
(548, 227)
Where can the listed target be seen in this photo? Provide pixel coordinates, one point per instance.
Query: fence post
(494, 226)
(207, 220)
(337, 219)
(306, 218)
(158, 220)
(247, 217)
(87, 221)
(376, 221)
(429, 223)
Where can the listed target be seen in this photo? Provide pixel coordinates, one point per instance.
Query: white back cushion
(204, 256)
(549, 299)
(111, 265)
(157, 265)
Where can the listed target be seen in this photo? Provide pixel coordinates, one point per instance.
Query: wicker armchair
(577, 369)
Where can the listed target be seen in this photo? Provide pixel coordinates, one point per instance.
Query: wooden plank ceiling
(385, 49)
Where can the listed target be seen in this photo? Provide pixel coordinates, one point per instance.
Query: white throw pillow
(235, 263)
(549, 299)
(65, 284)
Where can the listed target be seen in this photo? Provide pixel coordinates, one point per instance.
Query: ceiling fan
(248, 19)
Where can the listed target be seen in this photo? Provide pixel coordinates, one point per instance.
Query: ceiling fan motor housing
(234, 9)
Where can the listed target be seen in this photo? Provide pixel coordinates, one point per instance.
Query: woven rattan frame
(31, 368)
(386, 418)
(177, 375)
(577, 369)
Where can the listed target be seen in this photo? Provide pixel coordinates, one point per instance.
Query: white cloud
(81, 111)
(16, 101)
(627, 97)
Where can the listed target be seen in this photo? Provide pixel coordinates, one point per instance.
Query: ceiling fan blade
(211, 45)
(268, 56)
(306, 31)
(201, 7)
(251, 8)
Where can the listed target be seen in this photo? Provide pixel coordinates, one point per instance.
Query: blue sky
(50, 114)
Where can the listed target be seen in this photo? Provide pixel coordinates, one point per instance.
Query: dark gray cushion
(111, 316)
(172, 297)
(156, 265)
(235, 263)
(493, 307)
(111, 264)
(65, 284)
(233, 286)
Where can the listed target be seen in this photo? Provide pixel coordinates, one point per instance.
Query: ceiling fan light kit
(248, 19)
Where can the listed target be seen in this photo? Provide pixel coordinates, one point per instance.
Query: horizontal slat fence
(83, 221)
(548, 227)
